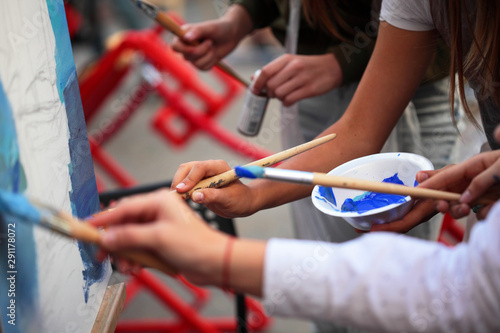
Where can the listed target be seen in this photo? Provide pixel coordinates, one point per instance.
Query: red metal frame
(452, 230)
(188, 318)
(104, 77)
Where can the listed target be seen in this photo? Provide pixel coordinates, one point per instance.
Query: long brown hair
(481, 62)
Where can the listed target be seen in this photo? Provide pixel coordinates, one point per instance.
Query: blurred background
(146, 155)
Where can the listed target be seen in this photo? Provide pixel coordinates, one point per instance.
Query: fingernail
(198, 197)
(108, 238)
(422, 176)
(180, 186)
(466, 197)
(189, 35)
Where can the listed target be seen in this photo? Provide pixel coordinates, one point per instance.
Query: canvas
(47, 283)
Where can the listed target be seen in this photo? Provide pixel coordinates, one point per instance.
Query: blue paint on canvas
(84, 197)
(16, 299)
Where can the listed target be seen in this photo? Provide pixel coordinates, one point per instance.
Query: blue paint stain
(371, 200)
(251, 172)
(415, 184)
(12, 180)
(327, 195)
(84, 197)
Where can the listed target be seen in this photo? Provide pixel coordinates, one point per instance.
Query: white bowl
(376, 168)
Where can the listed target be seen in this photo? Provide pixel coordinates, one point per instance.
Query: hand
(472, 178)
(217, 37)
(234, 200)
(421, 212)
(164, 225)
(291, 78)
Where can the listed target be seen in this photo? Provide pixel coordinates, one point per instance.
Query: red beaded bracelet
(226, 264)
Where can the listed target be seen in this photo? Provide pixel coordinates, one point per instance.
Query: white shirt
(414, 15)
(388, 282)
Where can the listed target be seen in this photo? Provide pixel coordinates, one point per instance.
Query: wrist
(240, 21)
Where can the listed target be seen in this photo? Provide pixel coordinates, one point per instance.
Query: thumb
(197, 33)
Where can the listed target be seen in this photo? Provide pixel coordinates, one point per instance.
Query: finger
(134, 236)
(287, 87)
(297, 95)
(181, 173)
(268, 71)
(459, 210)
(141, 208)
(199, 171)
(481, 183)
(421, 212)
(483, 212)
(426, 174)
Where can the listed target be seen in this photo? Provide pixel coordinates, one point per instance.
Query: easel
(111, 307)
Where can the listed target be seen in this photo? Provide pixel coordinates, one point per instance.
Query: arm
(380, 282)
(390, 80)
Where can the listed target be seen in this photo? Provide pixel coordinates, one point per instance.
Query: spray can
(253, 111)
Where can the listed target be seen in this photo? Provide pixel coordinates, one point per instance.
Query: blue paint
(326, 195)
(371, 200)
(415, 184)
(17, 205)
(65, 65)
(84, 197)
(12, 180)
(251, 172)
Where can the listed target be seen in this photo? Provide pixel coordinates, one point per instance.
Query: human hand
(473, 178)
(217, 38)
(291, 78)
(422, 211)
(233, 200)
(162, 224)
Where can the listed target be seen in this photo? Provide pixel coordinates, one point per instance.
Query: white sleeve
(414, 15)
(389, 282)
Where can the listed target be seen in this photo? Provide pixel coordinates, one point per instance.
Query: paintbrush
(230, 176)
(316, 178)
(48, 217)
(166, 22)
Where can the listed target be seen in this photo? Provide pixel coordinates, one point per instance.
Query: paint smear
(84, 197)
(326, 195)
(24, 293)
(372, 200)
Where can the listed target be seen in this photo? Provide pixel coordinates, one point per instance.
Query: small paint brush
(316, 178)
(166, 22)
(230, 176)
(48, 217)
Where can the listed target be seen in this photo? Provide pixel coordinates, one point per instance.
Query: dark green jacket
(353, 57)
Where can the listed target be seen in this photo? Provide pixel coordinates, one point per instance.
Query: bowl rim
(339, 213)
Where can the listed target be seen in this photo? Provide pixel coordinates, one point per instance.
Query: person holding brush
(404, 48)
(380, 281)
(317, 82)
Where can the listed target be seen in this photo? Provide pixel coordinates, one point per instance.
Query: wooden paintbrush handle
(84, 232)
(230, 176)
(367, 185)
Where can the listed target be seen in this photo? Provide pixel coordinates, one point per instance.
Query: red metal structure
(178, 120)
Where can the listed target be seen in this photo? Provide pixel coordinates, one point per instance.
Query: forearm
(386, 88)
(240, 19)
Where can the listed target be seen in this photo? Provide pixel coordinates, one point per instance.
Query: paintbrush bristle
(19, 206)
(251, 171)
